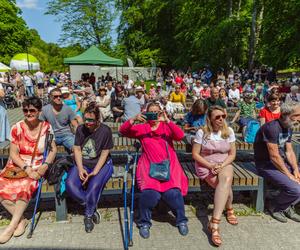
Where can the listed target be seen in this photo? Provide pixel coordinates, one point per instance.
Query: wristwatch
(25, 167)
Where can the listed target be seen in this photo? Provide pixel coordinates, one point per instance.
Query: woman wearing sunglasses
(214, 151)
(94, 167)
(19, 178)
(156, 134)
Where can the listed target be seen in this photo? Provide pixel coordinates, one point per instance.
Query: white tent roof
(3, 67)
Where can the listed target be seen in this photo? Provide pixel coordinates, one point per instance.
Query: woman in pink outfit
(214, 151)
(156, 137)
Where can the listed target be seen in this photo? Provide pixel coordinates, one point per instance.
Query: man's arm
(291, 157)
(278, 161)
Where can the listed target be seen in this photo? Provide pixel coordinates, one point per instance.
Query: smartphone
(151, 116)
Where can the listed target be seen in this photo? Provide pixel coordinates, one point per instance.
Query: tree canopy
(174, 33)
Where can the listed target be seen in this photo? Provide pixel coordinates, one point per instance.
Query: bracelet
(46, 163)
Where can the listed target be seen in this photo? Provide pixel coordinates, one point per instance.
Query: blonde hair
(208, 128)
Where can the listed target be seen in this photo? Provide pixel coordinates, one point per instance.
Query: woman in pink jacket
(156, 137)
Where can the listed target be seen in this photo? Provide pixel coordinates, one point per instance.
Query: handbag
(17, 172)
(161, 170)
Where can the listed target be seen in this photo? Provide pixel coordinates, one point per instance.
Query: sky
(48, 28)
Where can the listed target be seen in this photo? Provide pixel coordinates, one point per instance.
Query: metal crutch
(137, 146)
(48, 141)
(129, 159)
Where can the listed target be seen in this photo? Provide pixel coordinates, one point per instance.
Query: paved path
(253, 232)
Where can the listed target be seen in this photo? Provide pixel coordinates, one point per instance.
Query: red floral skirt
(17, 189)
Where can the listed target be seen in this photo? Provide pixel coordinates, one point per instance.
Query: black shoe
(144, 231)
(96, 217)
(183, 228)
(88, 224)
(291, 214)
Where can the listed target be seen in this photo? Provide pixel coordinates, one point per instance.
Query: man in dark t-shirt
(277, 163)
(94, 167)
(214, 99)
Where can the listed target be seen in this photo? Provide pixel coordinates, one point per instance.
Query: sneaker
(183, 228)
(88, 224)
(279, 216)
(291, 214)
(144, 231)
(96, 217)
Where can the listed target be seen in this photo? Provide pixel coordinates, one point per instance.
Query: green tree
(13, 30)
(86, 22)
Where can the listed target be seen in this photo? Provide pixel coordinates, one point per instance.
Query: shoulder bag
(17, 172)
(161, 170)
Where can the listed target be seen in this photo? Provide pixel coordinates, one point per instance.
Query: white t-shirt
(1, 87)
(214, 136)
(197, 90)
(27, 81)
(39, 77)
(129, 84)
(234, 94)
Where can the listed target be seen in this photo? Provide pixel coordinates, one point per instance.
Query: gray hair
(287, 109)
(294, 88)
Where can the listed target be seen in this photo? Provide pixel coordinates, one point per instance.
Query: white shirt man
(234, 94)
(39, 77)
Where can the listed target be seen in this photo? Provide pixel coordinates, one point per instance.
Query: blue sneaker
(144, 231)
(183, 228)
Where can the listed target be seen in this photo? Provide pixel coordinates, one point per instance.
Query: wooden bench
(245, 178)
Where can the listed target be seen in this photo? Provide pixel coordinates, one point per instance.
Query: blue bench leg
(260, 196)
(61, 210)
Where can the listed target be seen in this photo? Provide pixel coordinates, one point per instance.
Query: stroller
(10, 98)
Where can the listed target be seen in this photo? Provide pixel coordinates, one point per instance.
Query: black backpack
(57, 169)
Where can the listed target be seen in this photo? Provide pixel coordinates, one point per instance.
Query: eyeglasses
(56, 96)
(217, 117)
(32, 111)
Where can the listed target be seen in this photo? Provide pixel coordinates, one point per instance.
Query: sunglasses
(89, 120)
(219, 116)
(32, 111)
(56, 96)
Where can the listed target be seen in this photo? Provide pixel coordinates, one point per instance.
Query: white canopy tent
(3, 67)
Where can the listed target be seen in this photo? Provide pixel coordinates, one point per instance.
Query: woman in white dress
(103, 102)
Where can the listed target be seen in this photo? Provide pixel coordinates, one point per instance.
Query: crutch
(129, 159)
(48, 141)
(137, 146)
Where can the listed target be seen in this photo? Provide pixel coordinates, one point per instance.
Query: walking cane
(48, 141)
(129, 159)
(137, 146)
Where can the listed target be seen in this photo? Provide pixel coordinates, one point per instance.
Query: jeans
(149, 198)
(66, 140)
(289, 189)
(89, 196)
(29, 90)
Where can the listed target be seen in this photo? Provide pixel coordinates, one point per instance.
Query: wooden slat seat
(245, 178)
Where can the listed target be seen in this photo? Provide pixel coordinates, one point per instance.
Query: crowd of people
(75, 112)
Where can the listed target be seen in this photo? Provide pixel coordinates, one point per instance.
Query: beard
(288, 123)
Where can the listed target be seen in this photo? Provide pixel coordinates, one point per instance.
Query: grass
(148, 83)
(107, 215)
(289, 70)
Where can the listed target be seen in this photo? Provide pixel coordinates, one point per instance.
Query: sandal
(215, 238)
(230, 217)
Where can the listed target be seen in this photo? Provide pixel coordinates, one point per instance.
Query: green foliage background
(174, 33)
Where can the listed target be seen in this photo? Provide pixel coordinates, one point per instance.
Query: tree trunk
(239, 8)
(252, 40)
(229, 8)
(259, 22)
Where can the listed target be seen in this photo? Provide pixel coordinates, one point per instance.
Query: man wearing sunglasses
(60, 116)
